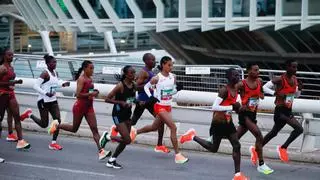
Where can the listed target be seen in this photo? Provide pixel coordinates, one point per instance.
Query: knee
(236, 147)
(74, 129)
(127, 140)
(44, 125)
(299, 129)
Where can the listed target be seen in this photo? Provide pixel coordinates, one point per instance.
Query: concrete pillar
(11, 32)
(110, 40)
(46, 41)
(135, 40)
(75, 41)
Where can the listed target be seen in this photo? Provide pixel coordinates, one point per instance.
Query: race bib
(253, 103)
(289, 100)
(53, 89)
(166, 96)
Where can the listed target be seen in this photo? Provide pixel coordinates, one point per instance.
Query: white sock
(112, 159)
(238, 174)
(108, 136)
(53, 142)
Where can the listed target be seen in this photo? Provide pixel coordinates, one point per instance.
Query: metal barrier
(205, 78)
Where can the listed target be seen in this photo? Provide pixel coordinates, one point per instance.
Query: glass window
(98, 9)
(121, 8)
(4, 32)
(193, 8)
(266, 7)
(241, 8)
(147, 8)
(171, 8)
(80, 9)
(217, 8)
(314, 7)
(291, 7)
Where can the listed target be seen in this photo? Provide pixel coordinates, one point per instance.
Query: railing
(193, 77)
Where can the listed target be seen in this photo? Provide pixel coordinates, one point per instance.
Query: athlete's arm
(261, 90)
(110, 97)
(152, 82)
(140, 80)
(268, 87)
(37, 86)
(223, 93)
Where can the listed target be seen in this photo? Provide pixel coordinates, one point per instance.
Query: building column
(75, 41)
(108, 36)
(11, 32)
(46, 41)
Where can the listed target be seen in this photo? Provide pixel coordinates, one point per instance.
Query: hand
(179, 86)
(300, 85)
(236, 107)
(153, 100)
(18, 81)
(66, 84)
(124, 104)
(50, 94)
(94, 93)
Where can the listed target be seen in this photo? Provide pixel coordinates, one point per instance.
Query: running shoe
(283, 154)
(2, 160)
(161, 149)
(114, 165)
(104, 139)
(12, 137)
(180, 159)
(188, 136)
(103, 154)
(55, 146)
(53, 127)
(254, 155)
(26, 114)
(22, 144)
(240, 176)
(264, 169)
(133, 134)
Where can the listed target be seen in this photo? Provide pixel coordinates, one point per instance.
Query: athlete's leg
(14, 108)
(236, 154)
(92, 122)
(43, 121)
(210, 146)
(137, 113)
(149, 128)
(10, 121)
(278, 125)
(295, 133)
(166, 117)
(124, 130)
(254, 129)
(55, 113)
(77, 118)
(241, 130)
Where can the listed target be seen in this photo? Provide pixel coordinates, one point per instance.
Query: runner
(222, 125)
(164, 83)
(143, 78)
(46, 86)
(8, 98)
(122, 96)
(287, 87)
(251, 91)
(83, 107)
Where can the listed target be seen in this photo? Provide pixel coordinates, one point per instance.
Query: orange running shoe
(53, 127)
(283, 154)
(188, 136)
(113, 131)
(55, 146)
(240, 176)
(26, 114)
(103, 154)
(254, 155)
(22, 144)
(161, 149)
(133, 134)
(12, 138)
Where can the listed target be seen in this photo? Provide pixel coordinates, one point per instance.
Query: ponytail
(121, 77)
(83, 66)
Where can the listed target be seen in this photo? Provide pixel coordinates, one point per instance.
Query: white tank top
(165, 89)
(49, 87)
